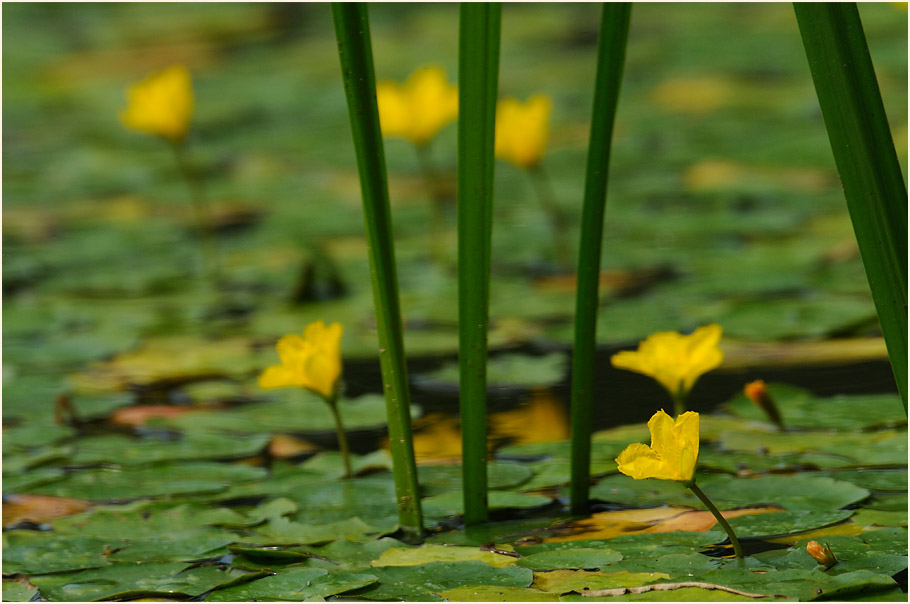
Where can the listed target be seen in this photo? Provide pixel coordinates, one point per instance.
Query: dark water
(625, 397)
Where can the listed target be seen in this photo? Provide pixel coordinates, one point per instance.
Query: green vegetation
(134, 429)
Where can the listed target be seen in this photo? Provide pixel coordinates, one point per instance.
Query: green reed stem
(353, 32)
(478, 72)
(720, 518)
(555, 216)
(342, 438)
(611, 51)
(204, 225)
(866, 161)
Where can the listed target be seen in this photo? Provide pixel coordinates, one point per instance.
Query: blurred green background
(724, 205)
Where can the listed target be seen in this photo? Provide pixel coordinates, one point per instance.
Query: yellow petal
(162, 104)
(292, 350)
(279, 376)
(522, 130)
(418, 109)
(686, 433)
(676, 361)
(638, 461)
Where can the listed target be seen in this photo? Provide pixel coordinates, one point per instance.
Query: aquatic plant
(675, 360)
(611, 52)
(672, 455)
(522, 133)
(312, 362)
(420, 107)
(757, 392)
(352, 30)
(162, 105)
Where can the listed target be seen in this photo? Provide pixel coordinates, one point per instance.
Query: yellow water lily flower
(418, 109)
(523, 129)
(312, 362)
(673, 451)
(675, 360)
(161, 104)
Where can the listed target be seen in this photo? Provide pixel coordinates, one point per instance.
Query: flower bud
(757, 392)
(822, 555)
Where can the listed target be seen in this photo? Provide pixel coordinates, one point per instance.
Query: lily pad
(425, 581)
(290, 410)
(132, 581)
(577, 558)
(495, 593)
(166, 479)
(294, 585)
(452, 503)
(782, 523)
(193, 446)
(580, 581)
(41, 553)
(516, 370)
(800, 409)
(438, 480)
(807, 493)
(411, 556)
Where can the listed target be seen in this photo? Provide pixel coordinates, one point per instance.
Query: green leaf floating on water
(803, 584)
(806, 493)
(294, 585)
(452, 503)
(578, 558)
(412, 556)
(516, 370)
(289, 410)
(14, 591)
(495, 593)
(132, 581)
(438, 480)
(800, 409)
(425, 581)
(164, 479)
(193, 446)
(783, 523)
(580, 581)
(40, 553)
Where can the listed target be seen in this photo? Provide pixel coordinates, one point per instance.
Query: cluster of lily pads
(186, 518)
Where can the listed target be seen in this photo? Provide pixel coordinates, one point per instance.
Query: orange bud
(822, 555)
(757, 392)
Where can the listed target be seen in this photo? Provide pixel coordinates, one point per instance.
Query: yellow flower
(673, 451)
(312, 362)
(522, 130)
(162, 104)
(418, 109)
(822, 555)
(675, 360)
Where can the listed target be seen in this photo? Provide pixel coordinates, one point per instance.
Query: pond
(142, 460)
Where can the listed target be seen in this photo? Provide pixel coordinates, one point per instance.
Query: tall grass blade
(611, 52)
(866, 161)
(353, 32)
(478, 72)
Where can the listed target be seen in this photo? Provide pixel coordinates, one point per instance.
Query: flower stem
(342, 438)
(556, 217)
(723, 521)
(437, 202)
(679, 404)
(200, 212)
